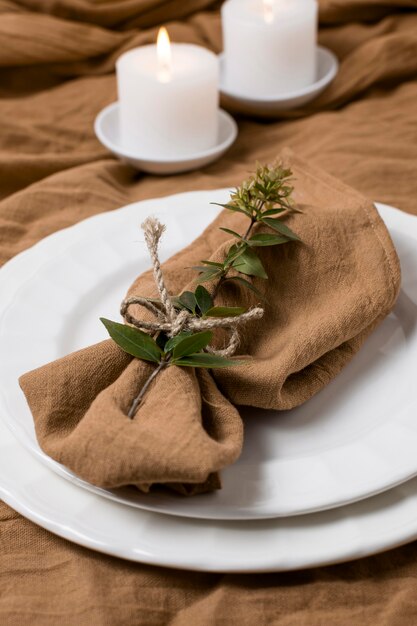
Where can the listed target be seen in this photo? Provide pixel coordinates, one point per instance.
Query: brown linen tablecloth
(56, 73)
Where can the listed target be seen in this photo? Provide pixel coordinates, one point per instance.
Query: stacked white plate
(327, 482)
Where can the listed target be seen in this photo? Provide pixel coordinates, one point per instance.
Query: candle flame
(268, 10)
(163, 52)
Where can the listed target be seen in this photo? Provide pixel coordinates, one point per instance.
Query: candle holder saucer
(327, 67)
(106, 127)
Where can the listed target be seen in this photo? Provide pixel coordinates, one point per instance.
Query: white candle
(168, 97)
(269, 45)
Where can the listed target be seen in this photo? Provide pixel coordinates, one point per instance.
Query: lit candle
(168, 97)
(269, 45)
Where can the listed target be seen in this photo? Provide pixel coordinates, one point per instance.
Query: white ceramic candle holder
(327, 67)
(107, 129)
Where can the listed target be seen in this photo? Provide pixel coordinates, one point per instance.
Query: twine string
(167, 318)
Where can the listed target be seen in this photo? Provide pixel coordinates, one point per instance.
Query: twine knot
(167, 318)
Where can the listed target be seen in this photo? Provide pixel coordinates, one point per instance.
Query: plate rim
(365, 543)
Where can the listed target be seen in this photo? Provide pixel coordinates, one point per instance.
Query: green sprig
(184, 350)
(265, 198)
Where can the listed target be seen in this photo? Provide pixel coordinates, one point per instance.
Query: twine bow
(167, 318)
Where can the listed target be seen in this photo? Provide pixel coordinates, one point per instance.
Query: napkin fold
(324, 296)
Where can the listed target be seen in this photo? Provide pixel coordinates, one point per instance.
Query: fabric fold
(324, 295)
(183, 411)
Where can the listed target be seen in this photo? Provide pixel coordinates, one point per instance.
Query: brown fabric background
(56, 60)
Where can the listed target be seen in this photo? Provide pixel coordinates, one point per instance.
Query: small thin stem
(226, 271)
(218, 285)
(252, 222)
(138, 399)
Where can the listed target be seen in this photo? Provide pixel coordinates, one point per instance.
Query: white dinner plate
(342, 534)
(354, 439)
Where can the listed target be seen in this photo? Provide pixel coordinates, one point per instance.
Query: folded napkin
(323, 298)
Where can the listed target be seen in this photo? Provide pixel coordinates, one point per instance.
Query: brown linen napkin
(324, 296)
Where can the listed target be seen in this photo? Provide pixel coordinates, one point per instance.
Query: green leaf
(272, 211)
(280, 227)
(206, 360)
(260, 187)
(250, 264)
(204, 299)
(225, 311)
(176, 302)
(213, 264)
(247, 284)
(133, 341)
(199, 268)
(171, 343)
(234, 252)
(288, 205)
(187, 299)
(232, 207)
(267, 239)
(192, 344)
(209, 275)
(231, 232)
(161, 340)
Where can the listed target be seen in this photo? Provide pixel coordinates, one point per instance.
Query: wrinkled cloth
(323, 297)
(56, 73)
